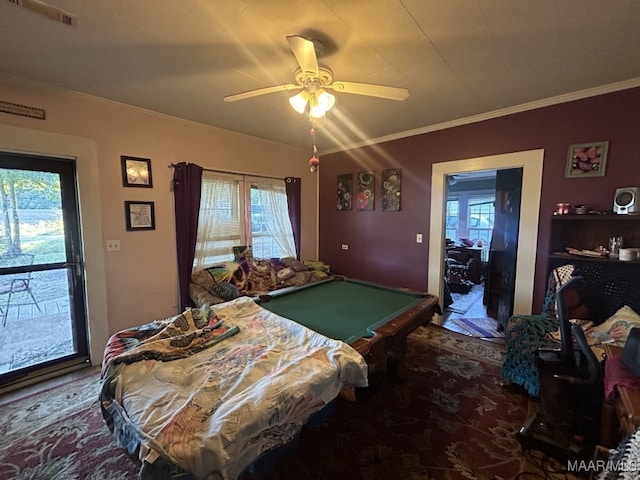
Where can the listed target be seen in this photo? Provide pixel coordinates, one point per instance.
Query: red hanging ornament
(314, 162)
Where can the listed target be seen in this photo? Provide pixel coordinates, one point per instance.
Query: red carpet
(449, 419)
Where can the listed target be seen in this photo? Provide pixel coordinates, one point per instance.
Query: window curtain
(293, 189)
(273, 200)
(187, 180)
(220, 224)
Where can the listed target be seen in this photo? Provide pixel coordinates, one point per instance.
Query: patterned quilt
(213, 389)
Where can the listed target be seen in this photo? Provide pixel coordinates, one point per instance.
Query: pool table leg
(395, 352)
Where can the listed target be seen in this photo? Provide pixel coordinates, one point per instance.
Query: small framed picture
(136, 172)
(586, 160)
(139, 215)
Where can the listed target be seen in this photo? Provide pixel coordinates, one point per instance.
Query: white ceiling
(457, 58)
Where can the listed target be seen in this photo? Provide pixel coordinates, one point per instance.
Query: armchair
(606, 288)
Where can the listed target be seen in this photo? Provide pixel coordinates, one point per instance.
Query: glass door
(42, 298)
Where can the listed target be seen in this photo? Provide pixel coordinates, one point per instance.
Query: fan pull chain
(314, 161)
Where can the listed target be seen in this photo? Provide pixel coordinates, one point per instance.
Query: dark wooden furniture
(374, 319)
(462, 255)
(493, 282)
(586, 232)
(621, 411)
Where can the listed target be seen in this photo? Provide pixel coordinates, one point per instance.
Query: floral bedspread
(213, 411)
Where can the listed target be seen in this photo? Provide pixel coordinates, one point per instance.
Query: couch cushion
(225, 290)
(203, 279)
(615, 329)
(295, 264)
(243, 251)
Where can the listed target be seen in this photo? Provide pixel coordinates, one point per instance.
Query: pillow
(277, 264)
(225, 291)
(295, 264)
(300, 278)
(223, 272)
(285, 274)
(615, 329)
(241, 252)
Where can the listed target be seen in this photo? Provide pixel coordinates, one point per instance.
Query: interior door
(505, 236)
(42, 296)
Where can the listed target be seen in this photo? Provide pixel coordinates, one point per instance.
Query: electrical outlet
(418, 238)
(113, 245)
(345, 246)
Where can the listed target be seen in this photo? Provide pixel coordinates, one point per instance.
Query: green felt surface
(343, 310)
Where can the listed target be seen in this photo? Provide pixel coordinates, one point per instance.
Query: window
(452, 219)
(241, 210)
(470, 216)
(481, 217)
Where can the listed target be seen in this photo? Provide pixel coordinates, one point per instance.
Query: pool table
(373, 319)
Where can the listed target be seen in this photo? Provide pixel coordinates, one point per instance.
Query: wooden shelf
(587, 232)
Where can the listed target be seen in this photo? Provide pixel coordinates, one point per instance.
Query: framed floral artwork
(365, 196)
(391, 189)
(345, 191)
(586, 160)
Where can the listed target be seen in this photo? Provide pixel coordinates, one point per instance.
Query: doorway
(469, 228)
(531, 163)
(42, 295)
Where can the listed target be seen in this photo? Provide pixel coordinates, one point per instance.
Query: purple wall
(382, 245)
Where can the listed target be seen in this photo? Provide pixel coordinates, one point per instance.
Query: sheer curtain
(220, 223)
(273, 200)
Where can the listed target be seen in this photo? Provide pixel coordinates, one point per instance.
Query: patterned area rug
(478, 327)
(448, 419)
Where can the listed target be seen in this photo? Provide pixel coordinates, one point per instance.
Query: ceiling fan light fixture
(325, 100)
(299, 101)
(320, 103)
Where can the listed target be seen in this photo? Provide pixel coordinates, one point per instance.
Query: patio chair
(12, 284)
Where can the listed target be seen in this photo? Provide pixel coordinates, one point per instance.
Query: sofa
(251, 276)
(606, 305)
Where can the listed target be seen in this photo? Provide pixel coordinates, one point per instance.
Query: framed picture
(365, 197)
(344, 186)
(139, 215)
(136, 172)
(586, 160)
(391, 189)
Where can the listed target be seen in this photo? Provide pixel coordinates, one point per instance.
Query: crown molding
(564, 98)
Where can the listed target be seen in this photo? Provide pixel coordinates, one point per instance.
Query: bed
(216, 390)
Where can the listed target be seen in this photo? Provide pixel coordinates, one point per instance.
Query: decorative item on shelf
(586, 160)
(582, 210)
(615, 244)
(562, 209)
(629, 254)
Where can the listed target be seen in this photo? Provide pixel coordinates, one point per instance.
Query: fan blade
(305, 54)
(392, 93)
(261, 91)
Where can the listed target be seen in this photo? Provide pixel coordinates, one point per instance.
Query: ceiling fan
(313, 80)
